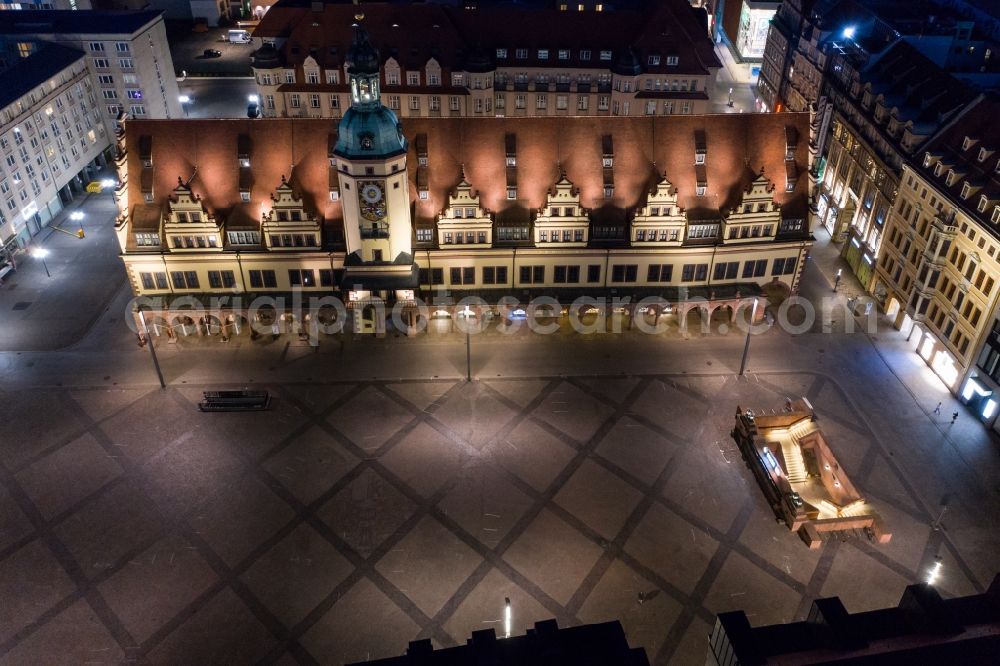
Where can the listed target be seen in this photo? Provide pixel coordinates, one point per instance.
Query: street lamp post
(41, 253)
(152, 349)
(746, 347)
(466, 315)
(506, 617)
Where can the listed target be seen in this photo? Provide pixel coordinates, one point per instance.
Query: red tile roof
(414, 33)
(737, 147)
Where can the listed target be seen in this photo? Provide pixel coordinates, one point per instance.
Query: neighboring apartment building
(795, 57)
(783, 36)
(46, 4)
(743, 26)
(440, 61)
(883, 108)
(940, 267)
(52, 140)
(709, 206)
(127, 55)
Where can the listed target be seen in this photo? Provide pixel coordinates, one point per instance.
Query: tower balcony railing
(369, 234)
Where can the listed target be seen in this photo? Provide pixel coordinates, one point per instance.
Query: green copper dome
(369, 134)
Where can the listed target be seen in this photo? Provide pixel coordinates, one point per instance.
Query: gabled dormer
(756, 216)
(464, 221)
(288, 225)
(187, 224)
(660, 221)
(563, 221)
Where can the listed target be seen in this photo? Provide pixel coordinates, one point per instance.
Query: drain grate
(22, 305)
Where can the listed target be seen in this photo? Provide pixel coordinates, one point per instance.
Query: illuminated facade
(440, 61)
(374, 209)
(939, 269)
(883, 110)
(127, 56)
(755, 16)
(52, 140)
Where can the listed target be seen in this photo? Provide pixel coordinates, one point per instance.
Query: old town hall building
(674, 207)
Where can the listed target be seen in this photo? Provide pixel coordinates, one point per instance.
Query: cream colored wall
(467, 107)
(920, 192)
(280, 262)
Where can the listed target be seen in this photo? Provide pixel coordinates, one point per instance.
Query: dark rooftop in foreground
(29, 73)
(68, 22)
(922, 629)
(546, 645)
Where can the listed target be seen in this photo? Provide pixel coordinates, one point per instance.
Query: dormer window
(950, 179)
(654, 60)
(927, 160)
(699, 158)
(609, 191)
(607, 151)
(510, 149)
(938, 169)
(982, 203)
(511, 193)
(543, 54)
(245, 196)
(367, 141)
(700, 190)
(501, 54)
(967, 142)
(983, 154)
(995, 218)
(966, 190)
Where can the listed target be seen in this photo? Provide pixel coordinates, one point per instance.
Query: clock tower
(374, 188)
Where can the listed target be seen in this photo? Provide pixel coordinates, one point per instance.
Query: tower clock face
(371, 195)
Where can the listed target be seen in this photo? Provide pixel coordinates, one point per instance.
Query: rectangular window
(593, 273)
(624, 272)
(532, 274)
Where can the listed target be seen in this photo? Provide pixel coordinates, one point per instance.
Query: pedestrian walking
(937, 410)
(954, 417)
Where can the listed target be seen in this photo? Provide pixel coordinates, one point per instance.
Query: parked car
(253, 110)
(211, 53)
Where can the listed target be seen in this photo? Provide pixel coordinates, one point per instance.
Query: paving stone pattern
(353, 518)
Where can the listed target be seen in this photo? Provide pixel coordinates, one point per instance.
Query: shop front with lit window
(938, 358)
(981, 390)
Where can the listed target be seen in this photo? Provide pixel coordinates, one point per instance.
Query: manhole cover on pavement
(22, 305)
